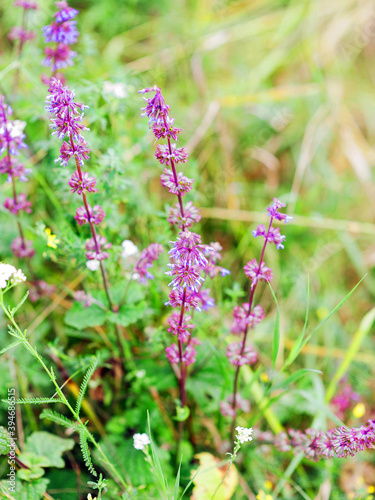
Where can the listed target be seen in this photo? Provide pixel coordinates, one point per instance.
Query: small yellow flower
(264, 377)
(268, 485)
(359, 410)
(51, 238)
(371, 489)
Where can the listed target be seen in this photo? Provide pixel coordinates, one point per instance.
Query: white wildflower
(89, 497)
(140, 441)
(129, 248)
(93, 264)
(17, 277)
(118, 90)
(135, 276)
(6, 271)
(244, 434)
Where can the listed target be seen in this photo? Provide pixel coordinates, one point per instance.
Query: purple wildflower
(273, 211)
(22, 249)
(176, 299)
(191, 215)
(257, 272)
(185, 276)
(188, 248)
(89, 215)
(148, 256)
(78, 149)
(164, 155)
(11, 143)
(238, 355)
(247, 316)
(188, 356)
(19, 33)
(63, 32)
(181, 186)
(96, 248)
(79, 185)
(16, 205)
(40, 289)
(178, 328)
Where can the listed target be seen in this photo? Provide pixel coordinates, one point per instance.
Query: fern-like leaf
(59, 419)
(10, 346)
(85, 383)
(12, 331)
(86, 451)
(15, 309)
(37, 401)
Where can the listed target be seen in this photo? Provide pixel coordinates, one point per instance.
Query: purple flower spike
(181, 187)
(17, 205)
(188, 357)
(86, 184)
(238, 356)
(65, 33)
(96, 249)
(148, 256)
(93, 215)
(65, 12)
(164, 155)
(78, 150)
(22, 249)
(191, 215)
(257, 273)
(273, 211)
(19, 33)
(185, 276)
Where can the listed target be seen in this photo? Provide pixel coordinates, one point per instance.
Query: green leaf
(276, 334)
(176, 488)
(83, 317)
(49, 447)
(35, 466)
(4, 441)
(30, 491)
(299, 342)
(294, 377)
(59, 419)
(182, 413)
(37, 401)
(85, 383)
(15, 309)
(86, 451)
(10, 346)
(128, 314)
(156, 462)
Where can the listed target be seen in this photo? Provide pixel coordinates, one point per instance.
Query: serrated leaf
(37, 401)
(49, 447)
(85, 383)
(31, 491)
(59, 419)
(86, 451)
(80, 317)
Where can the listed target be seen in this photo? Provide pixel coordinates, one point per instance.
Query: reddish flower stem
(93, 230)
(251, 301)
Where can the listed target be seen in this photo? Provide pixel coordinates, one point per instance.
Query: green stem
(64, 400)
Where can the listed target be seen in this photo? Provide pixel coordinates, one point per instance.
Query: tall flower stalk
(20, 33)
(62, 32)
(248, 315)
(67, 123)
(190, 259)
(11, 143)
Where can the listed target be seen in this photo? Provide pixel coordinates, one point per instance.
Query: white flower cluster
(244, 434)
(9, 272)
(93, 264)
(140, 441)
(130, 249)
